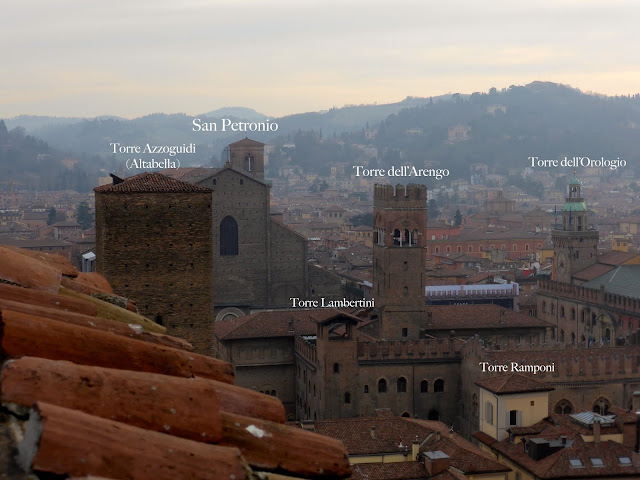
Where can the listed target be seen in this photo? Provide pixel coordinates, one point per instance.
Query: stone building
(154, 244)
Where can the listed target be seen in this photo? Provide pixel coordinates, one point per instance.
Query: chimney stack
(596, 430)
(436, 462)
(415, 449)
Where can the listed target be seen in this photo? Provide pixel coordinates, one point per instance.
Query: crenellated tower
(399, 224)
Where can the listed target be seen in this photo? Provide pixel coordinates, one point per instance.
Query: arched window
(544, 307)
(563, 407)
(438, 386)
(228, 236)
(402, 385)
(382, 386)
(159, 320)
(366, 389)
(336, 368)
(561, 311)
(601, 406)
(424, 386)
(573, 313)
(347, 397)
(396, 237)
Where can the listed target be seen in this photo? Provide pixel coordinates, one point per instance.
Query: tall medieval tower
(575, 247)
(399, 224)
(154, 244)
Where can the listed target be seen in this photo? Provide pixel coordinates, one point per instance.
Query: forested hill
(541, 119)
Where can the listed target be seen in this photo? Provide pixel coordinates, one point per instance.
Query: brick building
(478, 242)
(259, 262)
(154, 244)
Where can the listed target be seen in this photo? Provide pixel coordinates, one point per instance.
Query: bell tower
(399, 225)
(247, 156)
(575, 246)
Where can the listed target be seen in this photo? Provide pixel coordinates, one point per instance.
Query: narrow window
(228, 236)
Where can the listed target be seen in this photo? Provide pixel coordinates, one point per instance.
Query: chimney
(415, 449)
(291, 329)
(501, 317)
(372, 432)
(436, 462)
(451, 432)
(437, 436)
(596, 430)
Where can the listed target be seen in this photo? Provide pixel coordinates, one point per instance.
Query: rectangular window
(405, 332)
(488, 413)
(514, 418)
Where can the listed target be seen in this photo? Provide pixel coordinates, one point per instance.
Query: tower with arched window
(400, 223)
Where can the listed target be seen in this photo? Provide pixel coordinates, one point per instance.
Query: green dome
(575, 181)
(574, 207)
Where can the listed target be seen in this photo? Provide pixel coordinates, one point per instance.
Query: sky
(137, 57)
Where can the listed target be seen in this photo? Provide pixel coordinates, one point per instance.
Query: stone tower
(154, 244)
(247, 156)
(400, 223)
(575, 246)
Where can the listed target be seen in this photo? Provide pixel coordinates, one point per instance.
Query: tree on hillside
(83, 216)
(458, 218)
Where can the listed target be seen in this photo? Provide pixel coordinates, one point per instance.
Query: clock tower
(575, 246)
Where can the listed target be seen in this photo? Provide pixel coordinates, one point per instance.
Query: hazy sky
(135, 57)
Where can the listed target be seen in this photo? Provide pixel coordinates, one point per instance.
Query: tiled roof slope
(512, 383)
(389, 434)
(152, 183)
(107, 399)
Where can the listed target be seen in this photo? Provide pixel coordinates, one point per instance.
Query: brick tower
(575, 246)
(154, 244)
(247, 156)
(400, 223)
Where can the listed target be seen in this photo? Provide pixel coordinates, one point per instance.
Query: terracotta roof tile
(23, 334)
(152, 183)
(28, 272)
(69, 442)
(512, 383)
(119, 328)
(54, 260)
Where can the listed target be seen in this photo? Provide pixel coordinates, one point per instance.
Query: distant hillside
(247, 114)
(504, 127)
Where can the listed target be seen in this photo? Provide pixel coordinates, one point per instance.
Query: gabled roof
(191, 174)
(512, 383)
(247, 142)
(152, 183)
